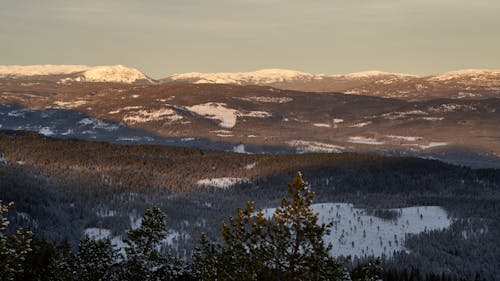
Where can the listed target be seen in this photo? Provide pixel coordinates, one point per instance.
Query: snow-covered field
(227, 116)
(356, 233)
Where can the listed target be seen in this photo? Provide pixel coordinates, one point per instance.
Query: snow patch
(314, 146)
(227, 116)
(266, 99)
(324, 125)
(70, 104)
(143, 116)
(250, 166)
(364, 140)
(361, 125)
(95, 233)
(46, 131)
(239, 148)
(98, 124)
(432, 144)
(223, 183)
(404, 138)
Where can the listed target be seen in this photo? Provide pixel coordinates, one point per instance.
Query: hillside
(255, 119)
(65, 188)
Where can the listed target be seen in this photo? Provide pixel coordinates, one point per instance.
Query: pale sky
(162, 37)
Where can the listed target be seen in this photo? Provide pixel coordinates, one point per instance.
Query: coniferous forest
(61, 188)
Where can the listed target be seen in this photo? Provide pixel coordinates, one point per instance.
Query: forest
(62, 187)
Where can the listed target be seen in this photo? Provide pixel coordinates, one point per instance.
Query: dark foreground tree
(287, 246)
(13, 248)
(145, 259)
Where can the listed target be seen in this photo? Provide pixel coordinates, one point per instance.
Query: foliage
(289, 245)
(13, 248)
(144, 258)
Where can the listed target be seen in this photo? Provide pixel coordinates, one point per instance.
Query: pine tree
(145, 259)
(289, 246)
(13, 248)
(95, 259)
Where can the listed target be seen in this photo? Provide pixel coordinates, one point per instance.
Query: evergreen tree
(13, 248)
(95, 259)
(145, 259)
(288, 246)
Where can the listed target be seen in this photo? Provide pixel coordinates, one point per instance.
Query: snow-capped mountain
(76, 73)
(259, 77)
(472, 74)
(273, 76)
(472, 83)
(40, 70)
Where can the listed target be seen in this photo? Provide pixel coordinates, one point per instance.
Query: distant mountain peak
(262, 76)
(82, 73)
(457, 74)
(371, 73)
(272, 75)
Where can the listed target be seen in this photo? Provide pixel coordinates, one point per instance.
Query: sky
(162, 37)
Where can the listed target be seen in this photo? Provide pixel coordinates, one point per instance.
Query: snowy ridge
(369, 74)
(269, 76)
(264, 76)
(115, 73)
(465, 73)
(39, 70)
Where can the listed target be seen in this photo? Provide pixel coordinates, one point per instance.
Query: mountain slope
(255, 119)
(75, 73)
(456, 84)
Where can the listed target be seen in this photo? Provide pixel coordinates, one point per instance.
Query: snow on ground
(464, 73)
(225, 182)
(303, 146)
(356, 233)
(70, 104)
(143, 116)
(264, 76)
(239, 148)
(368, 74)
(364, 140)
(432, 118)
(266, 99)
(227, 116)
(250, 166)
(451, 107)
(361, 125)
(98, 124)
(216, 111)
(134, 139)
(105, 213)
(324, 125)
(46, 131)
(404, 114)
(404, 138)
(95, 233)
(432, 144)
(135, 220)
(187, 139)
(115, 73)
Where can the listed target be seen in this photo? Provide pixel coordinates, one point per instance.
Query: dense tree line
(58, 198)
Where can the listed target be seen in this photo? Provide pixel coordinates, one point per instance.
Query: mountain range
(452, 116)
